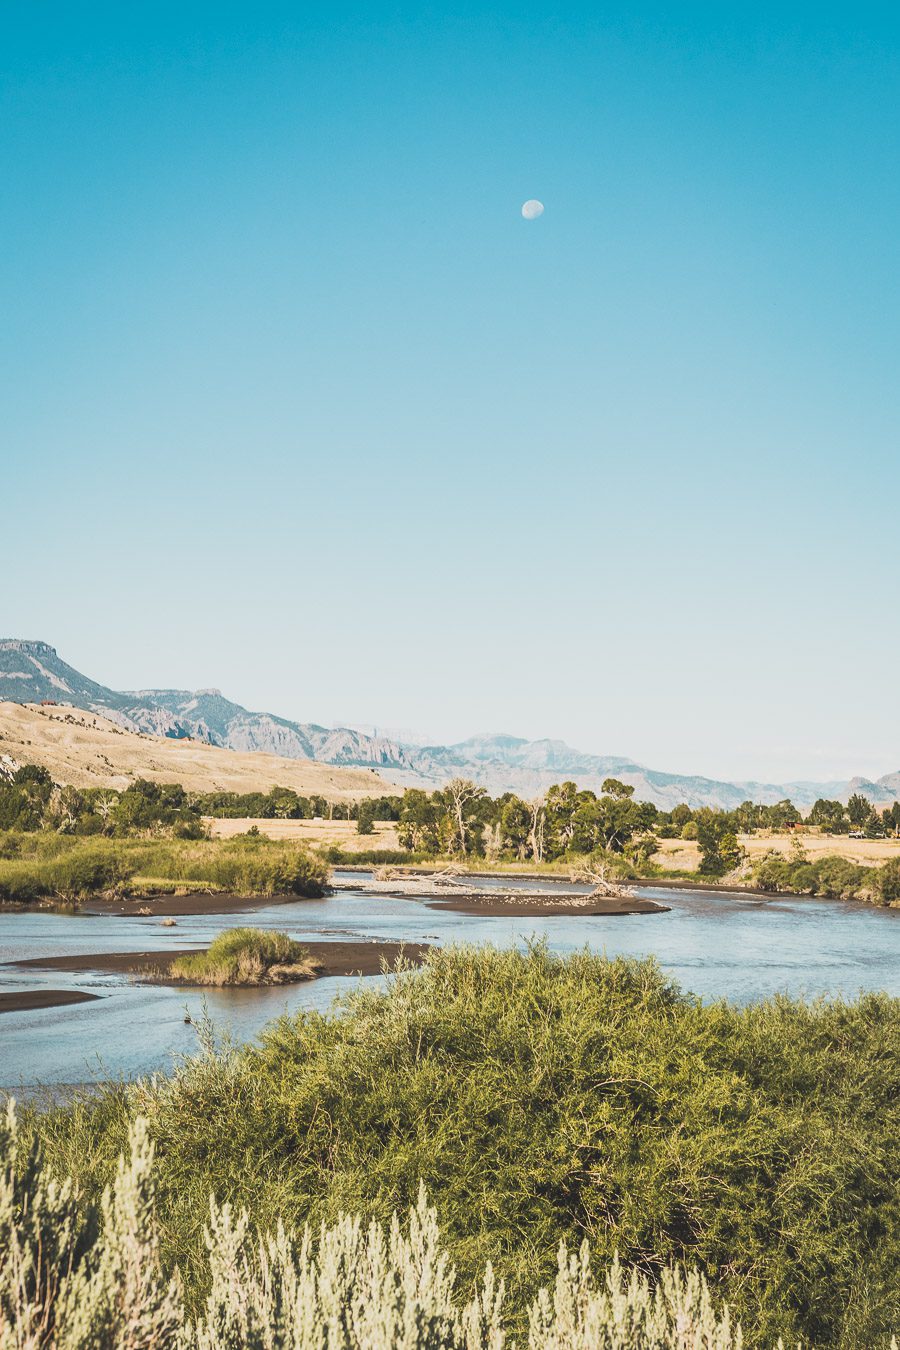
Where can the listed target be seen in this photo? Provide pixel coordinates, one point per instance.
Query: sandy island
(442, 891)
(28, 1000)
(522, 906)
(334, 958)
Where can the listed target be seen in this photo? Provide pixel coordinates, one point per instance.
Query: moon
(532, 209)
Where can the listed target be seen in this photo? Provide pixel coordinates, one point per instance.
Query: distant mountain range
(32, 672)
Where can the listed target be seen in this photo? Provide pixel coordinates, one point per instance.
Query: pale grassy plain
(318, 833)
(87, 750)
(681, 855)
(684, 855)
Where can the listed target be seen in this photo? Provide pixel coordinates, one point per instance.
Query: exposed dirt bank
(27, 1000)
(333, 958)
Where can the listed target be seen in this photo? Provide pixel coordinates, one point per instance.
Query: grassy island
(247, 956)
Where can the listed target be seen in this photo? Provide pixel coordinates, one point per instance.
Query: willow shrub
(247, 956)
(831, 877)
(68, 867)
(87, 868)
(77, 1276)
(543, 1099)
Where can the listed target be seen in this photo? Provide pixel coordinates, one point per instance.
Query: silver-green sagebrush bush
(91, 1278)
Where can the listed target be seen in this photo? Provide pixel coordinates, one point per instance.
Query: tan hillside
(86, 750)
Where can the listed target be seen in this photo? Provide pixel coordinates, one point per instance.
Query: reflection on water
(715, 945)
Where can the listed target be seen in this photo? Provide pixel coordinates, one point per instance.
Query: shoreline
(334, 958)
(656, 883)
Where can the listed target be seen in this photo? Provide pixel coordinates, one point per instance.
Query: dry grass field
(324, 832)
(679, 854)
(683, 854)
(86, 750)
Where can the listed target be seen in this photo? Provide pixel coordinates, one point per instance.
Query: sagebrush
(79, 1277)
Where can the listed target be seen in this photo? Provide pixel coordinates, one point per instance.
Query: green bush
(74, 872)
(247, 956)
(21, 882)
(253, 866)
(88, 870)
(830, 877)
(89, 1277)
(889, 881)
(372, 857)
(72, 868)
(543, 1099)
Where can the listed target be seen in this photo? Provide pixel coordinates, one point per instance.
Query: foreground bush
(247, 956)
(543, 1099)
(82, 1277)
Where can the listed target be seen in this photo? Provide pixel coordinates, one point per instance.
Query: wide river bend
(716, 945)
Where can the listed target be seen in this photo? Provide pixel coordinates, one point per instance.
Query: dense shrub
(540, 1099)
(831, 877)
(372, 857)
(89, 1277)
(889, 881)
(252, 866)
(247, 956)
(72, 872)
(72, 868)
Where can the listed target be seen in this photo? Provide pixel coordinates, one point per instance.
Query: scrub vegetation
(543, 1099)
(246, 956)
(830, 877)
(90, 1277)
(42, 866)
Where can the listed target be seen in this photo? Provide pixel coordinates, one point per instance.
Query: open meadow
(320, 833)
(684, 854)
(674, 854)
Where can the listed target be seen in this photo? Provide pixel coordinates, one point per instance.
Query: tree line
(459, 820)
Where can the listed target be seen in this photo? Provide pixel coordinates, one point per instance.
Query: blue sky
(297, 404)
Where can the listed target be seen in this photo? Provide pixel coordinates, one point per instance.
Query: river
(716, 945)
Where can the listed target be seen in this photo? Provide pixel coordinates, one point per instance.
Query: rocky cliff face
(32, 671)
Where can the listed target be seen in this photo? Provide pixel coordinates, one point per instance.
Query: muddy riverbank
(332, 958)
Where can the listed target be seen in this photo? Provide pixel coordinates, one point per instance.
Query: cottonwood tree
(829, 815)
(536, 833)
(461, 793)
(858, 808)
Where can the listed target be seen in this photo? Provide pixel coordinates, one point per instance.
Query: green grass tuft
(247, 956)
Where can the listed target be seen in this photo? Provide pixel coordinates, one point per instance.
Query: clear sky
(297, 404)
